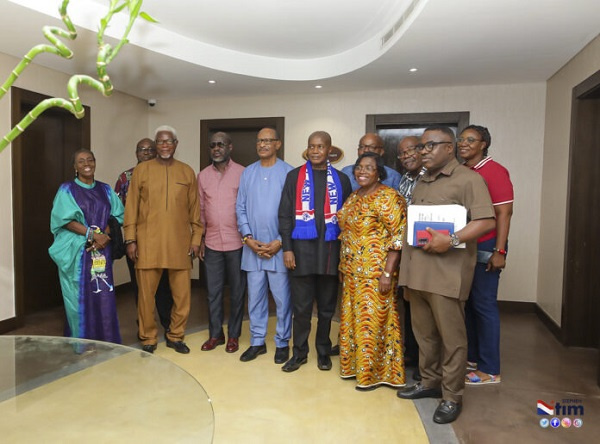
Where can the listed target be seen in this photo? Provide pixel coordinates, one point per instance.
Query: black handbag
(116, 239)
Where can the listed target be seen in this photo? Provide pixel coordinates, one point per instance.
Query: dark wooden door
(41, 162)
(581, 283)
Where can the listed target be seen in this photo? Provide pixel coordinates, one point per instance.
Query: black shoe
(179, 346)
(282, 354)
(252, 352)
(293, 364)
(418, 391)
(335, 350)
(149, 348)
(417, 374)
(324, 362)
(447, 412)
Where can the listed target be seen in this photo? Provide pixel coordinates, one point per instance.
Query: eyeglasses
(469, 140)
(367, 168)
(408, 153)
(429, 146)
(266, 141)
(317, 147)
(145, 150)
(219, 144)
(168, 142)
(369, 147)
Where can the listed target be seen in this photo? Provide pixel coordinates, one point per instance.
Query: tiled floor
(535, 366)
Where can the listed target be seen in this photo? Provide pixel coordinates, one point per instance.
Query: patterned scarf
(306, 227)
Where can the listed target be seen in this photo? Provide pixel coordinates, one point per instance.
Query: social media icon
(544, 423)
(566, 423)
(555, 422)
(577, 422)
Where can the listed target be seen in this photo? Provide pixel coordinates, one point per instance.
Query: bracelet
(130, 241)
(500, 250)
(87, 233)
(246, 237)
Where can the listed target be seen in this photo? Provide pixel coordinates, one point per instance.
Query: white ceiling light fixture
(413, 69)
(318, 86)
(212, 82)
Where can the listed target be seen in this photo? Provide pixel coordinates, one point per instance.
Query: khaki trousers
(180, 283)
(439, 326)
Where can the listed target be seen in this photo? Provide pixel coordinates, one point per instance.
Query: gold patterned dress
(370, 339)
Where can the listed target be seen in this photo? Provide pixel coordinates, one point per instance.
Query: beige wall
(118, 122)
(555, 175)
(513, 113)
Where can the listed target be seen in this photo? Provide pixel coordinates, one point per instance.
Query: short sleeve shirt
(449, 274)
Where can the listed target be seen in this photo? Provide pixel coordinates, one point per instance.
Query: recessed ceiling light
(413, 69)
(318, 86)
(212, 81)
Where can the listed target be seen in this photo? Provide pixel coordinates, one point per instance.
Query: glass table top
(55, 389)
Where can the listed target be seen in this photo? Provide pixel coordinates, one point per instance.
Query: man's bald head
(370, 142)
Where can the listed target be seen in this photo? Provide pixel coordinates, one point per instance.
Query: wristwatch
(386, 274)
(454, 240)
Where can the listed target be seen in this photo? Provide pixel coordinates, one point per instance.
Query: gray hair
(167, 128)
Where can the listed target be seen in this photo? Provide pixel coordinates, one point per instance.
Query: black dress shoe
(282, 354)
(324, 362)
(447, 412)
(335, 350)
(418, 391)
(149, 348)
(178, 346)
(252, 352)
(293, 364)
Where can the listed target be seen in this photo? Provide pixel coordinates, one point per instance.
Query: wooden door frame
(19, 98)
(209, 126)
(579, 310)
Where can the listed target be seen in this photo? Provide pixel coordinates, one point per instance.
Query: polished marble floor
(535, 366)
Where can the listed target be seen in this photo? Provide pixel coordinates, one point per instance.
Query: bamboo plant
(106, 53)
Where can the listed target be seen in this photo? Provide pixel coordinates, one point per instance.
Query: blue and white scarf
(306, 227)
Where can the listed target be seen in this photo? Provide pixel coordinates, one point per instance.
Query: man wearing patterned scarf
(311, 196)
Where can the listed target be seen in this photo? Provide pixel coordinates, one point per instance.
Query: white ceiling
(288, 46)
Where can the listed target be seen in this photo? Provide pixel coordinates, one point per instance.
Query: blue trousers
(221, 264)
(259, 283)
(482, 318)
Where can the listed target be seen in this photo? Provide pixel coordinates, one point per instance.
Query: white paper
(456, 214)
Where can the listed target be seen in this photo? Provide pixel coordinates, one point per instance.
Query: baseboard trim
(9, 324)
(517, 307)
(549, 323)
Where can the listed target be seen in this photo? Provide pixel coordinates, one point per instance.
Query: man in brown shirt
(163, 231)
(438, 276)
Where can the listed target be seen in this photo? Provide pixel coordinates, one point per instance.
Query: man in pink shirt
(221, 248)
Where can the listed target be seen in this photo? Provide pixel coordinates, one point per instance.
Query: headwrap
(306, 227)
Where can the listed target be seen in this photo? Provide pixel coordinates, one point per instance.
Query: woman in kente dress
(372, 222)
(81, 250)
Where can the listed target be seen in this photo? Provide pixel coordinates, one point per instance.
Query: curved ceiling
(283, 40)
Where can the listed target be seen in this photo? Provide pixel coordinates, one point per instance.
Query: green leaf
(120, 8)
(147, 17)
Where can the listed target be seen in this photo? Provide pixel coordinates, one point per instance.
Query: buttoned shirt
(448, 274)
(407, 185)
(218, 192)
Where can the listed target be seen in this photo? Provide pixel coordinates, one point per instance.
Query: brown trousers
(439, 326)
(180, 283)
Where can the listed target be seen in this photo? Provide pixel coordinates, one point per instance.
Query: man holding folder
(438, 276)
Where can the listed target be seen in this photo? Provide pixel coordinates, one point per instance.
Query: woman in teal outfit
(82, 252)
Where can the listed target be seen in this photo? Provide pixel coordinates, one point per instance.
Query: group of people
(296, 233)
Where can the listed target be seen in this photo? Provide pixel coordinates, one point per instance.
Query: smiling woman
(82, 251)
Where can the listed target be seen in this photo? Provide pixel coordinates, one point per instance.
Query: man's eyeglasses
(408, 153)
(145, 150)
(265, 141)
(429, 146)
(219, 144)
(469, 140)
(167, 142)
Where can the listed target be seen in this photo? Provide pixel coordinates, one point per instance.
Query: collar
(447, 170)
(481, 163)
(416, 176)
(227, 165)
(85, 185)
